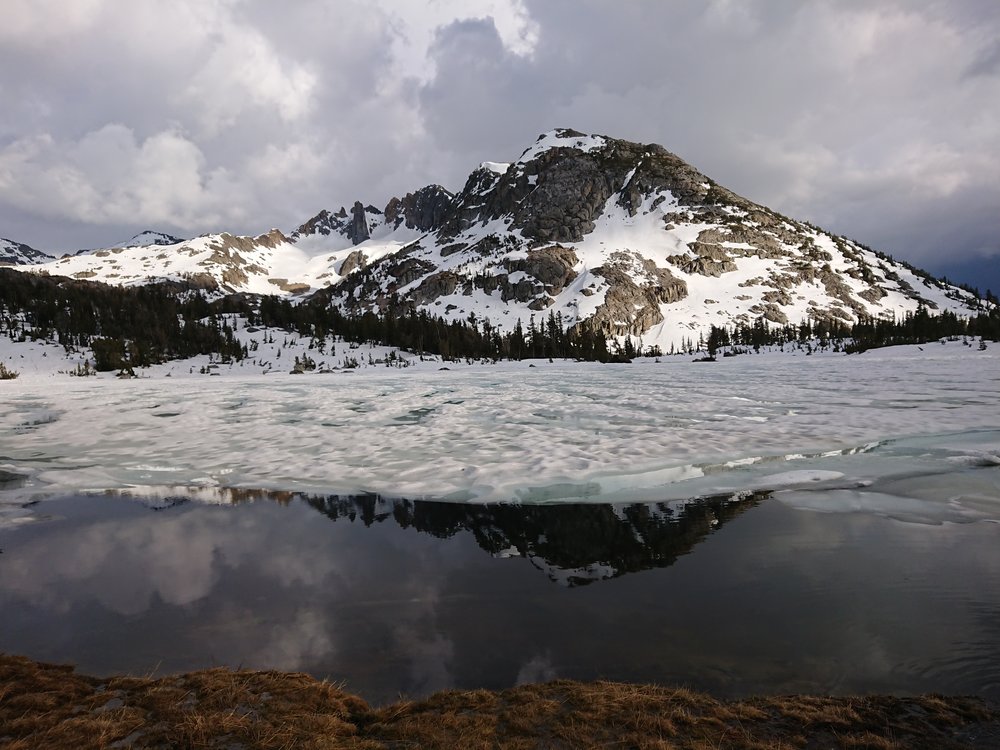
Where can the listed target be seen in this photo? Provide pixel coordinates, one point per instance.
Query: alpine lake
(864, 566)
(734, 595)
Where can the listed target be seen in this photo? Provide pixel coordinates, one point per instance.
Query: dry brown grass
(49, 706)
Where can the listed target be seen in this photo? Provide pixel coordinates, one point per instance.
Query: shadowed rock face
(570, 195)
(357, 230)
(436, 285)
(323, 223)
(551, 266)
(424, 210)
(355, 225)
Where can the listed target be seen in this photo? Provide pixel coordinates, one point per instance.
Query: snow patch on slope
(562, 138)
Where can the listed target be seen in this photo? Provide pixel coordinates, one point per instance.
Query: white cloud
(40, 22)
(243, 114)
(242, 71)
(110, 177)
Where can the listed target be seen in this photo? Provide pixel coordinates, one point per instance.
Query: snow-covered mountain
(624, 235)
(18, 254)
(150, 237)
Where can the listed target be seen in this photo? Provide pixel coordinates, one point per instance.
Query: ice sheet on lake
(552, 433)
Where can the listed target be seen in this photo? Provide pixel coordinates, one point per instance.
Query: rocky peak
(323, 223)
(625, 238)
(561, 185)
(150, 237)
(424, 210)
(356, 224)
(357, 230)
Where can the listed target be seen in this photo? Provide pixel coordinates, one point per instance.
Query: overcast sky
(878, 120)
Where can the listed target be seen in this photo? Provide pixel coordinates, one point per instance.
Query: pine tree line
(401, 326)
(918, 327)
(129, 327)
(124, 327)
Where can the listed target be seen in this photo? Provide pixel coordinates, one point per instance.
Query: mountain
(18, 254)
(623, 237)
(150, 237)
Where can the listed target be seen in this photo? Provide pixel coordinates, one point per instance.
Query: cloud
(243, 71)
(178, 559)
(419, 24)
(40, 22)
(110, 177)
(879, 121)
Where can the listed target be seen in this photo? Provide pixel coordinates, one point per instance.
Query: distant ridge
(17, 254)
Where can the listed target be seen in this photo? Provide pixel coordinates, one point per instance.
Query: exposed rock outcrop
(18, 254)
(631, 308)
(551, 266)
(424, 210)
(436, 285)
(352, 262)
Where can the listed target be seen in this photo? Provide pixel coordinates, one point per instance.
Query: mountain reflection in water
(573, 544)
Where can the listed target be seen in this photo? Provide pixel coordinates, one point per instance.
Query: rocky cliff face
(622, 236)
(424, 211)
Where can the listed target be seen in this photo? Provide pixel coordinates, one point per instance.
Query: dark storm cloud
(880, 121)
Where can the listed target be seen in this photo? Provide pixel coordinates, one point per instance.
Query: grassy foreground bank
(51, 706)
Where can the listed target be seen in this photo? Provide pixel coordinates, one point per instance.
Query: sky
(876, 120)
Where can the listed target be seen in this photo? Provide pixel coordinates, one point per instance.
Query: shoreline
(47, 705)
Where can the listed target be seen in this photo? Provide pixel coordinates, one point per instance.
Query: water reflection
(574, 545)
(397, 596)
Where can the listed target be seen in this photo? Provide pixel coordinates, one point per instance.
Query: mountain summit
(625, 236)
(150, 237)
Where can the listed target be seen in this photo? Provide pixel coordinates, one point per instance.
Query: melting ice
(872, 431)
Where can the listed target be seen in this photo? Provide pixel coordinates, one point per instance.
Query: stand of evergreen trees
(919, 327)
(128, 327)
(125, 327)
(401, 326)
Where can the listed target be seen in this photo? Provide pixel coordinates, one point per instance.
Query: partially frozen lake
(554, 432)
(761, 524)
